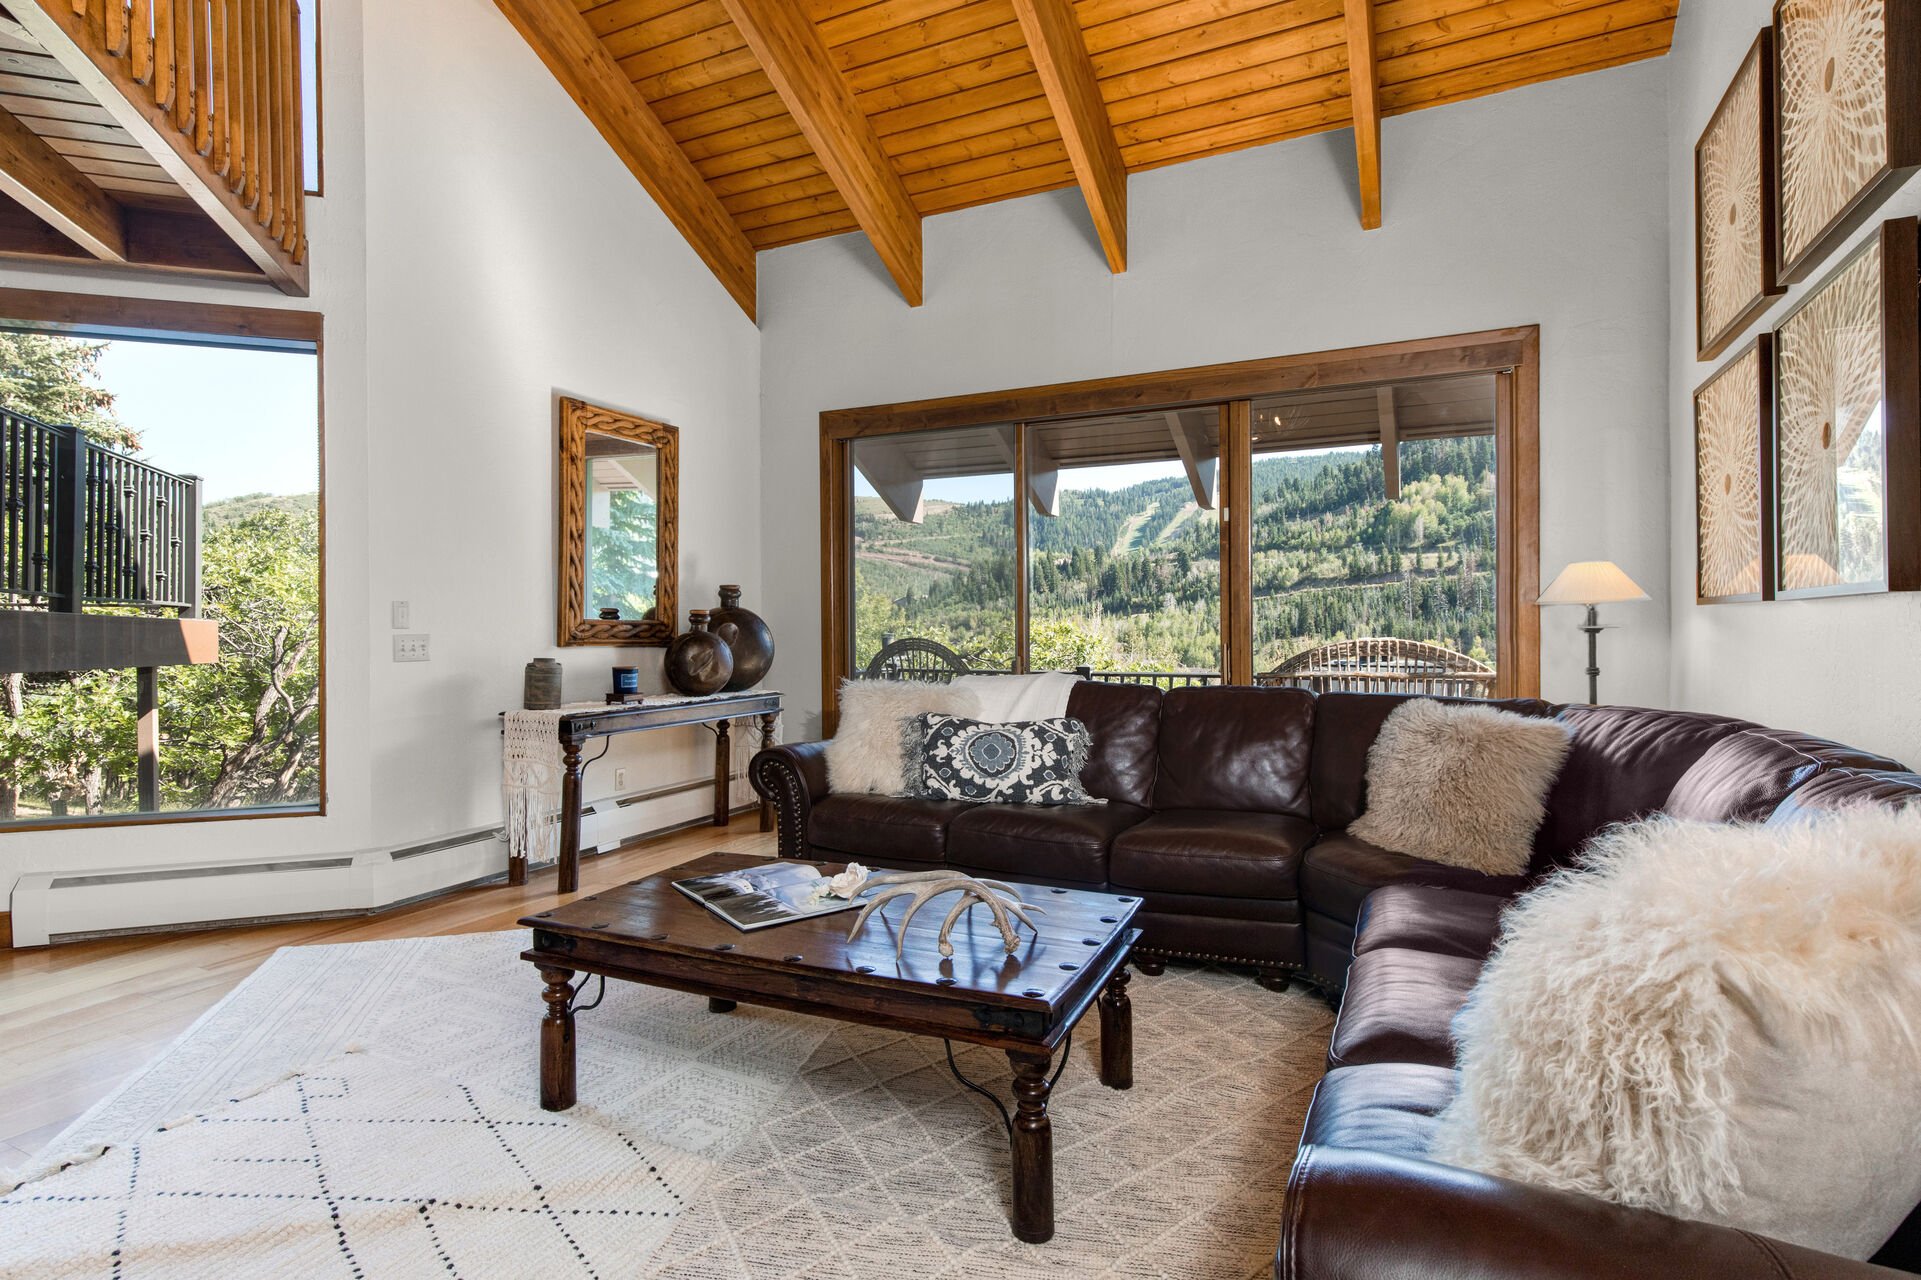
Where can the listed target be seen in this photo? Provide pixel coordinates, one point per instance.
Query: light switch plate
(403, 615)
(411, 648)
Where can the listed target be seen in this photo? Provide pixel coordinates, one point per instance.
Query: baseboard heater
(69, 906)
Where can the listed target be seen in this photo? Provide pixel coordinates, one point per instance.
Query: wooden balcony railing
(215, 96)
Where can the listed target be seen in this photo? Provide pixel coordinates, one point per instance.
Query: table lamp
(1591, 583)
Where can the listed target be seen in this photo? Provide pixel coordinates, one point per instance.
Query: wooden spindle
(220, 85)
(203, 77)
(183, 24)
(275, 185)
(296, 138)
(256, 99)
(163, 70)
(141, 38)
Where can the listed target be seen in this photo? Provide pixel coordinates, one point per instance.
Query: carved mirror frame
(577, 418)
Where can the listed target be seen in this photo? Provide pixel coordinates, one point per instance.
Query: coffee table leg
(1117, 1033)
(716, 1005)
(1033, 1143)
(557, 1041)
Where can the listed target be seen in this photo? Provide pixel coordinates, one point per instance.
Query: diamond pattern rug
(795, 1146)
(877, 1164)
(359, 1168)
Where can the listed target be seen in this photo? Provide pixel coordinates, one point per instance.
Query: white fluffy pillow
(1461, 784)
(1715, 1021)
(866, 754)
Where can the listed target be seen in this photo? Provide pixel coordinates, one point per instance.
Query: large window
(1361, 519)
(162, 555)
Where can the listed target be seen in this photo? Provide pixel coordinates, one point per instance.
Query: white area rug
(358, 1168)
(801, 1147)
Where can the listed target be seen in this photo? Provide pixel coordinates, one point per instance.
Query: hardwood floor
(75, 1020)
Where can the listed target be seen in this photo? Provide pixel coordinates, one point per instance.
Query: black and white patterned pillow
(1026, 762)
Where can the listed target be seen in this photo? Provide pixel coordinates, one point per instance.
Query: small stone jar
(540, 688)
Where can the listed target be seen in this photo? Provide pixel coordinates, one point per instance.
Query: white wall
(1545, 205)
(1842, 668)
(477, 251)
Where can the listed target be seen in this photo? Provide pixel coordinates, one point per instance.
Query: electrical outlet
(620, 779)
(411, 649)
(403, 615)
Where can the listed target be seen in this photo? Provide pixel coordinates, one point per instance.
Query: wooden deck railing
(224, 77)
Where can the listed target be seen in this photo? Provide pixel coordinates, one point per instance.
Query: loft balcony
(159, 134)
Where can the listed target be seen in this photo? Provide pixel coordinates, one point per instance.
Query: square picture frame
(1735, 237)
(1734, 478)
(1847, 426)
(1847, 99)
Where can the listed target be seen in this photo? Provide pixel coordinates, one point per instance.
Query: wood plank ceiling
(971, 101)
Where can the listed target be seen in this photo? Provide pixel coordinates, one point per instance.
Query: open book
(761, 896)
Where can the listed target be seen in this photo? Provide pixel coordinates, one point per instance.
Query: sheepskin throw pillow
(1461, 784)
(1715, 1021)
(865, 752)
(983, 762)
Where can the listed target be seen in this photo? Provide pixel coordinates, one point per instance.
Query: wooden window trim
(1513, 352)
(92, 315)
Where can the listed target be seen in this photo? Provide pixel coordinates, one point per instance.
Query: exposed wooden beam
(1066, 72)
(47, 184)
(1201, 460)
(183, 241)
(56, 27)
(591, 77)
(795, 58)
(1390, 442)
(1364, 90)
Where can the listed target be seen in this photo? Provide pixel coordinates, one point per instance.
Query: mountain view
(1129, 578)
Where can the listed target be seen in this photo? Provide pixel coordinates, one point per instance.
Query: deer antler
(923, 886)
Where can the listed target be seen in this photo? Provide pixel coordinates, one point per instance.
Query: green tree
(622, 555)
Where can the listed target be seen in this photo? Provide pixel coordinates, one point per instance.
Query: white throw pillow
(866, 754)
(1715, 1021)
(1461, 784)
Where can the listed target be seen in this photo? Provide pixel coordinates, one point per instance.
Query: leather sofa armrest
(1364, 1215)
(792, 775)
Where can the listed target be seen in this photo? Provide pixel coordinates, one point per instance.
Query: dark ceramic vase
(698, 661)
(747, 635)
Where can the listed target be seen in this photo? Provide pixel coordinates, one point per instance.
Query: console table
(576, 728)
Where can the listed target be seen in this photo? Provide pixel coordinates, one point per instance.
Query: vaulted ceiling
(758, 123)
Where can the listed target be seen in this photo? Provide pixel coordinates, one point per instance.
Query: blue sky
(245, 421)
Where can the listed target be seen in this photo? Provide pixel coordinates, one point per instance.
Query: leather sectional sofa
(1227, 811)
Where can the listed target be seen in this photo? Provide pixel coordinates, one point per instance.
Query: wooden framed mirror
(619, 527)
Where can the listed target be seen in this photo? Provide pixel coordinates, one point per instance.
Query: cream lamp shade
(1591, 582)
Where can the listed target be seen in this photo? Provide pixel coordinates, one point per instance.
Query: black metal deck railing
(81, 524)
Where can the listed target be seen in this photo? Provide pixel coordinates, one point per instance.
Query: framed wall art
(1733, 478)
(1847, 423)
(1847, 100)
(1734, 232)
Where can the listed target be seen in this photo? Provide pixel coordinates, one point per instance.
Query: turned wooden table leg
(557, 1040)
(767, 722)
(1033, 1149)
(569, 872)
(1117, 1033)
(723, 772)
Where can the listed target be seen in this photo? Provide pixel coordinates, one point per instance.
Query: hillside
(1130, 577)
(230, 509)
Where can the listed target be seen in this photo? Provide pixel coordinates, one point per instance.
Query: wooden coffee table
(1026, 1004)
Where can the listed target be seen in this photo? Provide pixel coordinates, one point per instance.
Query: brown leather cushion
(1419, 917)
(1622, 764)
(1345, 726)
(1123, 720)
(1235, 749)
(1745, 776)
(1059, 842)
(1399, 1007)
(883, 827)
(1383, 1106)
(1840, 788)
(1340, 870)
(1219, 852)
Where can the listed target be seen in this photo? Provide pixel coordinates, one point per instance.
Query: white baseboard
(75, 903)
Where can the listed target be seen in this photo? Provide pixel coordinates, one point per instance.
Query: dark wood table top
(649, 931)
